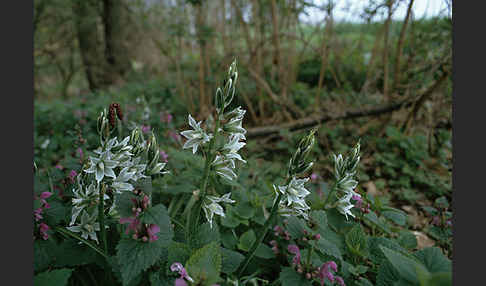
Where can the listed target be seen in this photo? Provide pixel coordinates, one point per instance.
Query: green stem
(309, 254)
(191, 226)
(67, 232)
(101, 218)
(264, 230)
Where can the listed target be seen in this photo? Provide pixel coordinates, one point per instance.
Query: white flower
(84, 198)
(344, 205)
(121, 184)
(293, 201)
(88, 226)
(224, 167)
(45, 144)
(195, 137)
(214, 208)
(102, 166)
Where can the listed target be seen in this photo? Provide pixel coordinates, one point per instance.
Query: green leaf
(387, 274)
(289, 277)
(246, 240)
(58, 277)
(406, 266)
(56, 213)
(124, 204)
(434, 260)
(178, 252)
(356, 241)
(319, 218)
(205, 235)
(71, 253)
(145, 184)
(231, 260)
(245, 210)
(205, 264)
(160, 279)
(407, 240)
(373, 219)
(42, 251)
(136, 256)
(376, 255)
(440, 279)
(338, 222)
(395, 215)
(264, 251)
(295, 227)
(329, 248)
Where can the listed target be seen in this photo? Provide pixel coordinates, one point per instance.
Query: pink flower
(294, 249)
(340, 281)
(145, 201)
(174, 135)
(314, 177)
(43, 197)
(72, 176)
(145, 128)
(133, 223)
(177, 267)
(166, 117)
(152, 230)
(180, 282)
(43, 228)
(164, 156)
(59, 166)
(325, 271)
(37, 214)
(80, 153)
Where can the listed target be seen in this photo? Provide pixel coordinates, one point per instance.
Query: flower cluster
(117, 166)
(196, 137)
(345, 173)
(43, 228)
(213, 207)
(294, 193)
(325, 272)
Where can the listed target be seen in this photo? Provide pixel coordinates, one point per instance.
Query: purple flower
(325, 271)
(43, 228)
(37, 214)
(80, 152)
(175, 136)
(145, 128)
(314, 177)
(180, 282)
(340, 281)
(166, 117)
(133, 223)
(43, 197)
(72, 176)
(164, 156)
(59, 166)
(177, 267)
(152, 230)
(294, 249)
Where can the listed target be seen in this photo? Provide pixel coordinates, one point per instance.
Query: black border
(16, 28)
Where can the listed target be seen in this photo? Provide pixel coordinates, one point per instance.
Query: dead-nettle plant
(117, 167)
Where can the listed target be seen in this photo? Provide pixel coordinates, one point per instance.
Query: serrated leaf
(440, 279)
(406, 266)
(205, 235)
(231, 260)
(289, 277)
(124, 204)
(387, 274)
(145, 184)
(56, 213)
(136, 256)
(434, 260)
(58, 277)
(319, 218)
(205, 264)
(295, 227)
(376, 255)
(338, 222)
(373, 219)
(356, 241)
(329, 248)
(159, 279)
(178, 252)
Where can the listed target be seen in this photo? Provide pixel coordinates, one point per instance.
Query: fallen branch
(318, 119)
